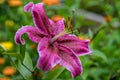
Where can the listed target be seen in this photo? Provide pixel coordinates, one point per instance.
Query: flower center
(68, 29)
(57, 36)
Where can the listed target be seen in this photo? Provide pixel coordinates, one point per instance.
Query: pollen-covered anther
(68, 25)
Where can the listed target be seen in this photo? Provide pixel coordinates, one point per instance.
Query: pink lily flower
(54, 45)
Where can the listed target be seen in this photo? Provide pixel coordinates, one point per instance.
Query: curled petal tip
(78, 72)
(32, 33)
(28, 6)
(17, 41)
(90, 52)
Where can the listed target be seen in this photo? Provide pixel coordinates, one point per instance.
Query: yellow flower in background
(4, 78)
(2, 1)
(9, 23)
(56, 17)
(51, 2)
(9, 71)
(14, 3)
(2, 61)
(7, 45)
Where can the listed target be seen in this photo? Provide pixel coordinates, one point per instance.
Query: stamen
(68, 29)
(68, 25)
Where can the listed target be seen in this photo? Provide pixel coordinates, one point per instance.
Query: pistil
(57, 36)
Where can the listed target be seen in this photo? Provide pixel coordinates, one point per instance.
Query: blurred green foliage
(103, 64)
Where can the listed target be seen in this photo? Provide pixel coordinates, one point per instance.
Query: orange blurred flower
(14, 3)
(2, 61)
(4, 79)
(108, 18)
(80, 37)
(84, 38)
(8, 71)
(51, 2)
(57, 17)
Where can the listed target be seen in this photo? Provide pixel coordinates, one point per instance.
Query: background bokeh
(95, 20)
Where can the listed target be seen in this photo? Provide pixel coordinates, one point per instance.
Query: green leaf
(52, 75)
(18, 56)
(84, 75)
(90, 33)
(100, 54)
(24, 71)
(1, 75)
(28, 61)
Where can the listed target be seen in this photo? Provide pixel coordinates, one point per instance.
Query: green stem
(22, 50)
(58, 74)
(97, 32)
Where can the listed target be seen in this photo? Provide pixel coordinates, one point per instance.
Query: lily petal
(32, 32)
(41, 20)
(58, 26)
(80, 47)
(28, 6)
(70, 60)
(48, 57)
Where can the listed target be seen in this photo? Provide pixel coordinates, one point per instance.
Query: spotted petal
(32, 32)
(41, 20)
(48, 57)
(70, 60)
(58, 26)
(80, 47)
(28, 6)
